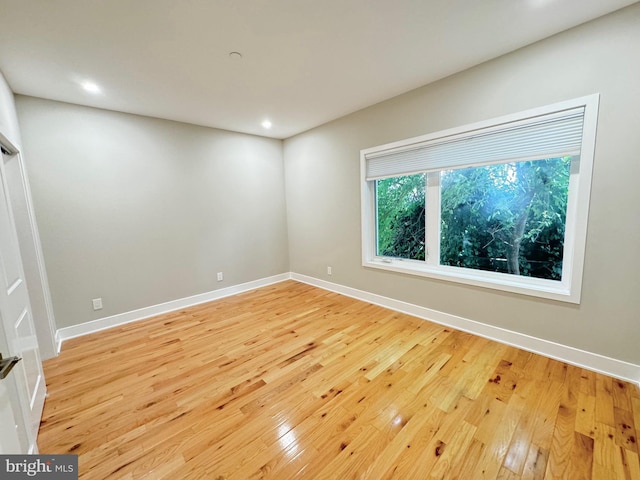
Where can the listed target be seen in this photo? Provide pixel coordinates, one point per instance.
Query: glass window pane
(506, 218)
(400, 221)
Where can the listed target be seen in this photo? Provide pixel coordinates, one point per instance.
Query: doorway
(23, 388)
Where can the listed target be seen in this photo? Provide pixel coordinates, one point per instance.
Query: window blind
(548, 136)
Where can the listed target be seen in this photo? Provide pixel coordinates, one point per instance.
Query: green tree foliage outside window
(401, 217)
(506, 218)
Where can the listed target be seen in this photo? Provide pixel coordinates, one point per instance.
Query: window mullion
(432, 218)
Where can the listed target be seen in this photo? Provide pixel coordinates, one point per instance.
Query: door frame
(19, 394)
(31, 252)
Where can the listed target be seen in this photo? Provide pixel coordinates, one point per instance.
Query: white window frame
(569, 289)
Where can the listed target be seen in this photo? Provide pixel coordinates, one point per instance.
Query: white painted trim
(574, 356)
(42, 271)
(45, 325)
(591, 361)
(100, 324)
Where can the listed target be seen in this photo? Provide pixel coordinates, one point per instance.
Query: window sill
(549, 289)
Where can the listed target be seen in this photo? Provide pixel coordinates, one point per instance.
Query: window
(500, 204)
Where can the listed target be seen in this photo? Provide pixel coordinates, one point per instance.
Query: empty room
(320, 240)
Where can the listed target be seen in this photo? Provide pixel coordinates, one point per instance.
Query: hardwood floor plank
(625, 429)
(586, 415)
(581, 457)
(293, 382)
(607, 456)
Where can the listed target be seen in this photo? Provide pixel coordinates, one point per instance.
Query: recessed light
(91, 87)
(266, 124)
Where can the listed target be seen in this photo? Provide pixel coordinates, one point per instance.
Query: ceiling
(304, 62)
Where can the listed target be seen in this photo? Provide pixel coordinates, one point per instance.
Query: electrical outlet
(329, 271)
(97, 303)
(220, 276)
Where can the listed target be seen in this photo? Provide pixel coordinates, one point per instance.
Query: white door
(25, 384)
(9, 440)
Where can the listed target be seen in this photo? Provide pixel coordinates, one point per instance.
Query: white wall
(323, 186)
(141, 211)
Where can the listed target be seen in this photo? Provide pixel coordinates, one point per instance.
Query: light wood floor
(290, 381)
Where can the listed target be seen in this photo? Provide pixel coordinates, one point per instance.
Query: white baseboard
(99, 324)
(574, 356)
